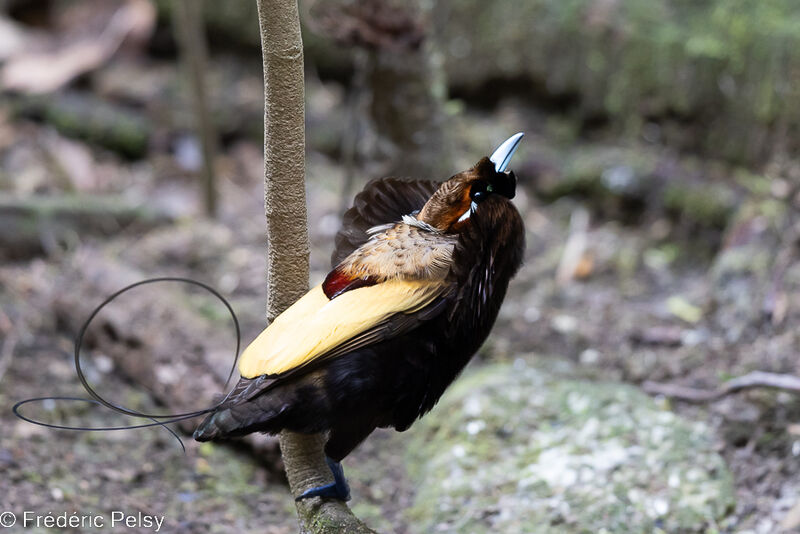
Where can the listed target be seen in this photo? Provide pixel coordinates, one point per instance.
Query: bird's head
(456, 199)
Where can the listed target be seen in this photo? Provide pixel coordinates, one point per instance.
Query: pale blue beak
(503, 154)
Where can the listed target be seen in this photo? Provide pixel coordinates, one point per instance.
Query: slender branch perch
(287, 236)
(756, 379)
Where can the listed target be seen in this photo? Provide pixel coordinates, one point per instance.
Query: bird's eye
(479, 191)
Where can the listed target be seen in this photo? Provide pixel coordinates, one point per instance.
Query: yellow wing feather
(314, 325)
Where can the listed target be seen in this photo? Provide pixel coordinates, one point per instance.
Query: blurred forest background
(659, 182)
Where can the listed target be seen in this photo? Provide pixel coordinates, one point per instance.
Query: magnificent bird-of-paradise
(419, 273)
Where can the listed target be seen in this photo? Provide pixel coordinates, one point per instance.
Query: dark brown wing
(248, 389)
(382, 201)
(248, 407)
(261, 403)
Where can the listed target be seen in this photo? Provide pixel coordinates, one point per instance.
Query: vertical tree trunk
(408, 94)
(405, 76)
(408, 113)
(192, 42)
(287, 235)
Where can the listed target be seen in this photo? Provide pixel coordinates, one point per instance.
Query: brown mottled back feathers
(382, 201)
(404, 251)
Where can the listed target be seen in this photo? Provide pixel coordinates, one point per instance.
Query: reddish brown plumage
(337, 282)
(446, 206)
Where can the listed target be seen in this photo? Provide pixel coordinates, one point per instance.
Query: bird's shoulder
(408, 250)
(382, 201)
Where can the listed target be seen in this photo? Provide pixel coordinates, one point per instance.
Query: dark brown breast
(487, 255)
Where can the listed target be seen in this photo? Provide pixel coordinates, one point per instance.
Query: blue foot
(338, 489)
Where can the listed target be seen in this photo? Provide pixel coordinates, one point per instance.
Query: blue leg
(338, 489)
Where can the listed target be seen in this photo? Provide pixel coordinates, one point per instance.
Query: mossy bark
(44, 224)
(87, 117)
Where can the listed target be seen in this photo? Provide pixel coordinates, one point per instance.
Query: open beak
(503, 154)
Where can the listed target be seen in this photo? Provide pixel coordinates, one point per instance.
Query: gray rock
(518, 449)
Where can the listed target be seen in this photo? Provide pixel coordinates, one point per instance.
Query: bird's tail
(243, 412)
(215, 426)
(237, 420)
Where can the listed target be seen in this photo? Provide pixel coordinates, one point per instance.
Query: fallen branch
(34, 224)
(756, 379)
